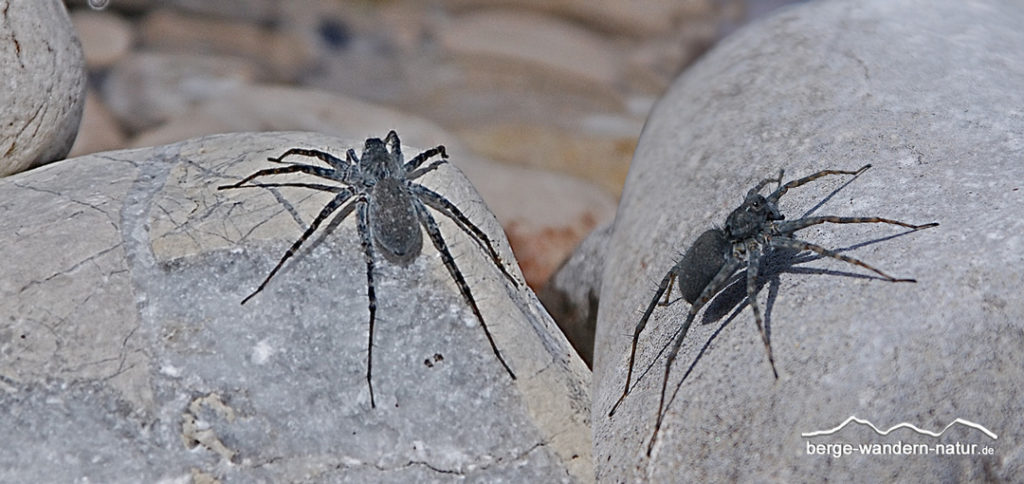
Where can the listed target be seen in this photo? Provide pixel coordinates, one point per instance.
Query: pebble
(106, 37)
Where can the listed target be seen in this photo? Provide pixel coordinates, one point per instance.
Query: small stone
(573, 293)
(44, 90)
(527, 40)
(600, 155)
(99, 130)
(280, 55)
(637, 19)
(146, 89)
(106, 37)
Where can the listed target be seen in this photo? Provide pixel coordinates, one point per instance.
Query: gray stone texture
(44, 84)
(125, 355)
(930, 94)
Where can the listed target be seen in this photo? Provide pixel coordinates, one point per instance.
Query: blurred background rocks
(548, 97)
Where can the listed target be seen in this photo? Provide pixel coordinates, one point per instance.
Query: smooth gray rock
(125, 355)
(44, 84)
(930, 94)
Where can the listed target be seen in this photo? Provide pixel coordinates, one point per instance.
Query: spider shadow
(732, 300)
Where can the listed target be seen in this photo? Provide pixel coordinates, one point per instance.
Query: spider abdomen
(395, 227)
(701, 263)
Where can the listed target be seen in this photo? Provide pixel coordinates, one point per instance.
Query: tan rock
(539, 41)
(628, 18)
(106, 37)
(602, 158)
(280, 54)
(146, 89)
(99, 130)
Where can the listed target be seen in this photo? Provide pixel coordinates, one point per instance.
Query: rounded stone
(127, 356)
(44, 84)
(931, 98)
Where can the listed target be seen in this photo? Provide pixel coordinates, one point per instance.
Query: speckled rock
(127, 357)
(44, 84)
(931, 98)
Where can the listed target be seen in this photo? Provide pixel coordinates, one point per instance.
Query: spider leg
(367, 243)
(334, 161)
(415, 163)
(713, 288)
(331, 206)
(762, 183)
(796, 244)
(753, 263)
(800, 224)
(296, 168)
(448, 209)
(314, 186)
(412, 175)
(662, 288)
(668, 291)
(434, 232)
(779, 192)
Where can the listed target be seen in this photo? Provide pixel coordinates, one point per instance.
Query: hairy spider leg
(668, 291)
(314, 186)
(415, 163)
(319, 171)
(334, 161)
(662, 288)
(434, 232)
(331, 206)
(412, 175)
(779, 192)
(753, 263)
(716, 285)
(447, 208)
(800, 224)
(799, 245)
(367, 243)
(762, 183)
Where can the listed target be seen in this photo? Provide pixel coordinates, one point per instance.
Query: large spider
(718, 253)
(389, 206)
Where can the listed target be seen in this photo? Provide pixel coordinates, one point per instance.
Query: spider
(388, 204)
(718, 253)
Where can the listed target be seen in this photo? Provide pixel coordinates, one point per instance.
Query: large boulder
(44, 84)
(126, 356)
(930, 95)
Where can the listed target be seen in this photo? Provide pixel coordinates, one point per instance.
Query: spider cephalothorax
(751, 230)
(390, 210)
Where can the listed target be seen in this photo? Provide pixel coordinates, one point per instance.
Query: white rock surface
(44, 84)
(928, 94)
(127, 357)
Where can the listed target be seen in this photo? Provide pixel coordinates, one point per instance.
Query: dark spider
(388, 205)
(718, 253)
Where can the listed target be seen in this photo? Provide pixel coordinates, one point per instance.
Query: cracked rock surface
(126, 356)
(44, 84)
(931, 98)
